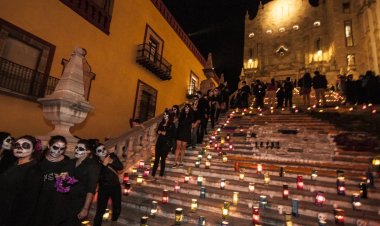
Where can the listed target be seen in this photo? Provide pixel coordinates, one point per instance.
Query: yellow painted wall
(112, 58)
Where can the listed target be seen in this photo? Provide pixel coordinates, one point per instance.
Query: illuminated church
(290, 37)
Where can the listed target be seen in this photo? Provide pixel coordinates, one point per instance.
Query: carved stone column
(67, 105)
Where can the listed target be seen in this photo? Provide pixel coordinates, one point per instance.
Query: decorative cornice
(159, 4)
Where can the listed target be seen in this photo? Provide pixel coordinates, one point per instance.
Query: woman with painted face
(183, 134)
(166, 133)
(175, 112)
(109, 185)
(86, 171)
(20, 185)
(7, 159)
(52, 205)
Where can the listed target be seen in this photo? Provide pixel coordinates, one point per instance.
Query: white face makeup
(80, 151)
(7, 143)
(57, 149)
(166, 116)
(187, 109)
(101, 151)
(23, 148)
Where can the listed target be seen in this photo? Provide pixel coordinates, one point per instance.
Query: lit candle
(194, 205)
(285, 191)
(299, 183)
(202, 193)
(314, 174)
(320, 198)
(207, 164)
(225, 159)
(251, 187)
(222, 183)
(153, 210)
(176, 187)
(165, 196)
(370, 180)
(235, 198)
(341, 188)
(255, 215)
(241, 175)
(209, 156)
(85, 223)
(144, 221)
(106, 215)
(139, 179)
(263, 201)
(134, 170)
(230, 147)
(178, 216)
(288, 219)
(125, 178)
(127, 188)
(187, 178)
(141, 164)
(197, 163)
(224, 223)
(266, 178)
(200, 157)
(339, 216)
(146, 172)
(200, 180)
(225, 210)
(356, 204)
(228, 136)
(259, 168)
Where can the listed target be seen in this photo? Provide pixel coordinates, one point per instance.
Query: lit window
(317, 23)
(194, 83)
(296, 27)
(282, 29)
(350, 59)
(348, 33)
(269, 31)
(251, 35)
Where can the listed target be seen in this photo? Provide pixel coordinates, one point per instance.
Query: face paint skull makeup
(23, 148)
(166, 117)
(187, 109)
(80, 150)
(57, 149)
(101, 151)
(7, 143)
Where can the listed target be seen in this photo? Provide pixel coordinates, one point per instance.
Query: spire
(209, 64)
(242, 75)
(247, 15)
(221, 79)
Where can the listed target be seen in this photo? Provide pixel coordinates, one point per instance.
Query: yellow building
(140, 61)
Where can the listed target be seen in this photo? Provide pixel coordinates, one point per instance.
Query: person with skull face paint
(20, 185)
(52, 205)
(7, 159)
(109, 185)
(166, 133)
(186, 119)
(86, 171)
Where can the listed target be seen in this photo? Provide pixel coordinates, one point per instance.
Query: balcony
(154, 62)
(25, 82)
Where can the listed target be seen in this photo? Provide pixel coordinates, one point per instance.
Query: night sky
(216, 26)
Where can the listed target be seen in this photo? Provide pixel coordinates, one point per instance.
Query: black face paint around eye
(25, 145)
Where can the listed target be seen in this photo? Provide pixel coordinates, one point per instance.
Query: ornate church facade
(290, 37)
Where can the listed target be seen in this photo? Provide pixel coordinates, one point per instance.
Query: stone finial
(209, 64)
(221, 79)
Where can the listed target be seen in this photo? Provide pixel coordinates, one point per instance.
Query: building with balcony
(289, 37)
(139, 61)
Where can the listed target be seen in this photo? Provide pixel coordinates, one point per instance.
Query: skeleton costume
(20, 186)
(109, 185)
(87, 174)
(7, 159)
(52, 205)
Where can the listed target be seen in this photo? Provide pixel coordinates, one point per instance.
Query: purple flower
(62, 183)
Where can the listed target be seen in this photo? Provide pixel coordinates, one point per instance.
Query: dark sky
(216, 26)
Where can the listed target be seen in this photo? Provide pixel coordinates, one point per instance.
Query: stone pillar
(67, 105)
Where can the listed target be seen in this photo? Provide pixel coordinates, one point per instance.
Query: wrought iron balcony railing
(21, 80)
(153, 61)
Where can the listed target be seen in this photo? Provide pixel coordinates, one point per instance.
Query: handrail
(25, 81)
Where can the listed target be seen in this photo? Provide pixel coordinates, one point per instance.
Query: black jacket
(108, 176)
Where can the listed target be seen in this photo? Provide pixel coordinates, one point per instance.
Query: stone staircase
(292, 143)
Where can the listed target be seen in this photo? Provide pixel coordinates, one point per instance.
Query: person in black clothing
(52, 205)
(7, 159)
(196, 122)
(203, 108)
(288, 87)
(175, 115)
(280, 94)
(320, 86)
(86, 171)
(20, 185)
(259, 92)
(350, 90)
(166, 132)
(109, 185)
(212, 103)
(245, 92)
(305, 84)
(183, 133)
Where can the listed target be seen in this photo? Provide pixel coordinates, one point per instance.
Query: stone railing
(136, 144)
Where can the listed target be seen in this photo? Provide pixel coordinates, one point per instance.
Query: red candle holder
(165, 196)
(299, 183)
